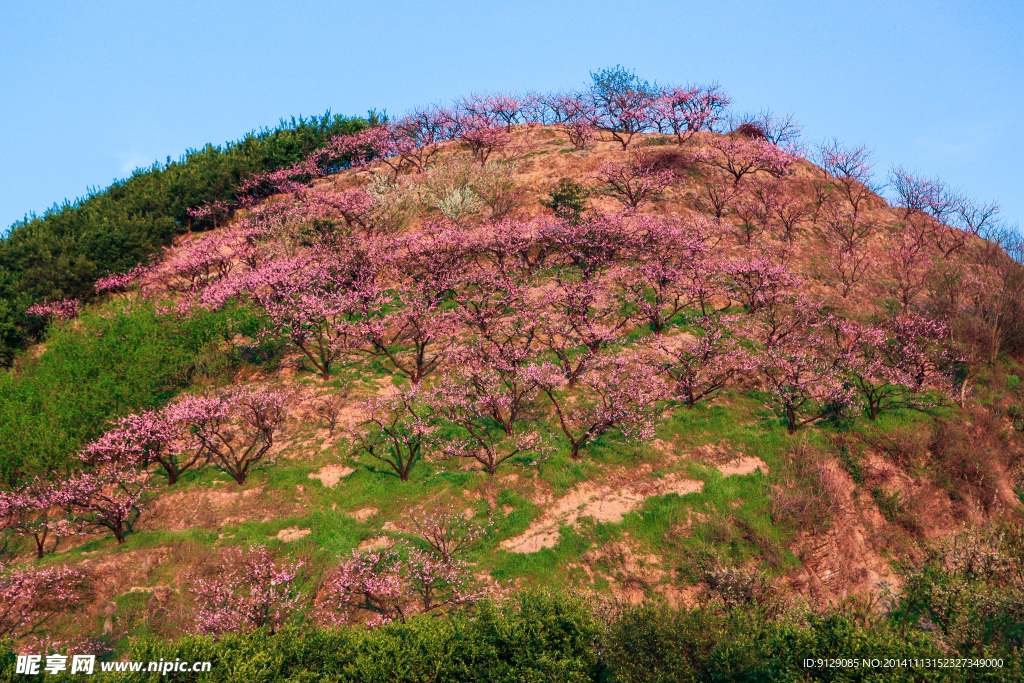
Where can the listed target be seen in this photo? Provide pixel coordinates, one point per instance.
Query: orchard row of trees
(928, 250)
(511, 335)
(591, 320)
(249, 589)
(427, 575)
(619, 106)
(738, 176)
(595, 321)
(233, 429)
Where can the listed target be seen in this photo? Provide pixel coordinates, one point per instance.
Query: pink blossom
(248, 591)
(487, 399)
(758, 282)
(160, 437)
(740, 157)
(624, 105)
(804, 381)
(685, 111)
(907, 263)
(848, 266)
(107, 497)
(850, 169)
(394, 584)
(668, 273)
(62, 309)
(30, 596)
(576, 115)
(447, 531)
(621, 393)
(900, 362)
(213, 211)
(398, 431)
(698, 367)
(636, 181)
(38, 510)
(578, 322)
(119, 282)
(236, 427)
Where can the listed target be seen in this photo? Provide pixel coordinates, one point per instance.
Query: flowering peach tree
(236, 427)
(30, 596)
(392, 584)
(249, 591)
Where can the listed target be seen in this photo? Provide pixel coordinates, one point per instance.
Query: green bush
(568, 201)
(533, 638)
(653, 645)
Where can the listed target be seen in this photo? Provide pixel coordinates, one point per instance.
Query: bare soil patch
(362, 514)
(743, 465)
(602, 502)
(292, 534)
(330, 475)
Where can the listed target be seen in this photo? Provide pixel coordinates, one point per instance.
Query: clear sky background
(89, 90)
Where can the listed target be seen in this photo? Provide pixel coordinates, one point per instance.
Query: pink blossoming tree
(740, 157)
(636, 181)
(37, 510)
(805, 382)
(158, 437)
(390, 585)
(30, 596)
(698, 367)
(398, 431)
(62, 309)
(624, 103)
(686, 111)
(108, 497)
(901, 362)
(668, 274)
(447, 532)
(249, 591)
(575, 115)
(236, 427)
(621, 394)
(486, 405)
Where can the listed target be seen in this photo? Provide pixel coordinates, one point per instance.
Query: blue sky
(90, 90)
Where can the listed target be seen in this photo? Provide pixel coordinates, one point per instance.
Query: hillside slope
(653, 369)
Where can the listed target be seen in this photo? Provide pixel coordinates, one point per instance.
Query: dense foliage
(113, 361)
(60, 254)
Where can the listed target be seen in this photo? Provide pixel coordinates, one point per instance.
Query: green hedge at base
(537, 638)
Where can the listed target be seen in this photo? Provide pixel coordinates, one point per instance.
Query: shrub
(568, 201)
(966, 458)
(532, 638)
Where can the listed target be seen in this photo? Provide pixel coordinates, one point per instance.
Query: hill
(599, 342)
